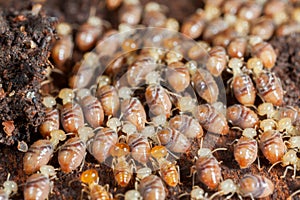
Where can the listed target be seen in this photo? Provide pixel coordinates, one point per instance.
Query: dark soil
(288, 66)
(25, 42)
(68, 186)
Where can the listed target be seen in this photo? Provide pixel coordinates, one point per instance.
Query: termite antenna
(218, 149)
(293, 194)
(276, 163)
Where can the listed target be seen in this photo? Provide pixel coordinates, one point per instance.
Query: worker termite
(263, 28)
(237, 48)
(250, 11)
(9, 189)
(92, 108)
(41, 151)
(66, 95)
(226, 187)
(173, 140)
(286, 113)
(205, 85)
(289, 112)
(272, 145)
(101, 81)
(270, 6)
(283, 115)
(282, 14)
(172, 24)
(108, 96)
(154, 15)
(51, 121)
(224, 38)
(71, 115)
(168, 170)
(284, 125)
(107, 46)
(217, 60)
(198, 51)
(266, 109)
(245, 150)
(133, 111)
(178, 76)
(186, 125)
(130, 12)
(211, 120)
(63, 48)
(289, 158)
(140, 147)
(37, 155)
(255, 186)
(293, 142)
(173, 56)
(241, 27)
(114, 123)
(90, 177)
(212, 10)
(38, 186)
(156, 96)
(150, 132)
(84, 71)
(242, 85)
(267, 83)
(208, 168)
(194, 25)
(123, 170)
(100, 144)
(152, 187)
(268, 124)
(89, 32)
(265, 52)
(186, 104)
(72, 153)
(214, 27)
(241, 116)
(138, 70)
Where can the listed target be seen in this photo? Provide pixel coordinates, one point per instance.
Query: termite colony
(144, 101)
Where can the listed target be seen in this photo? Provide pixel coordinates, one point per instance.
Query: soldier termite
(96, 191)
(169, 171)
